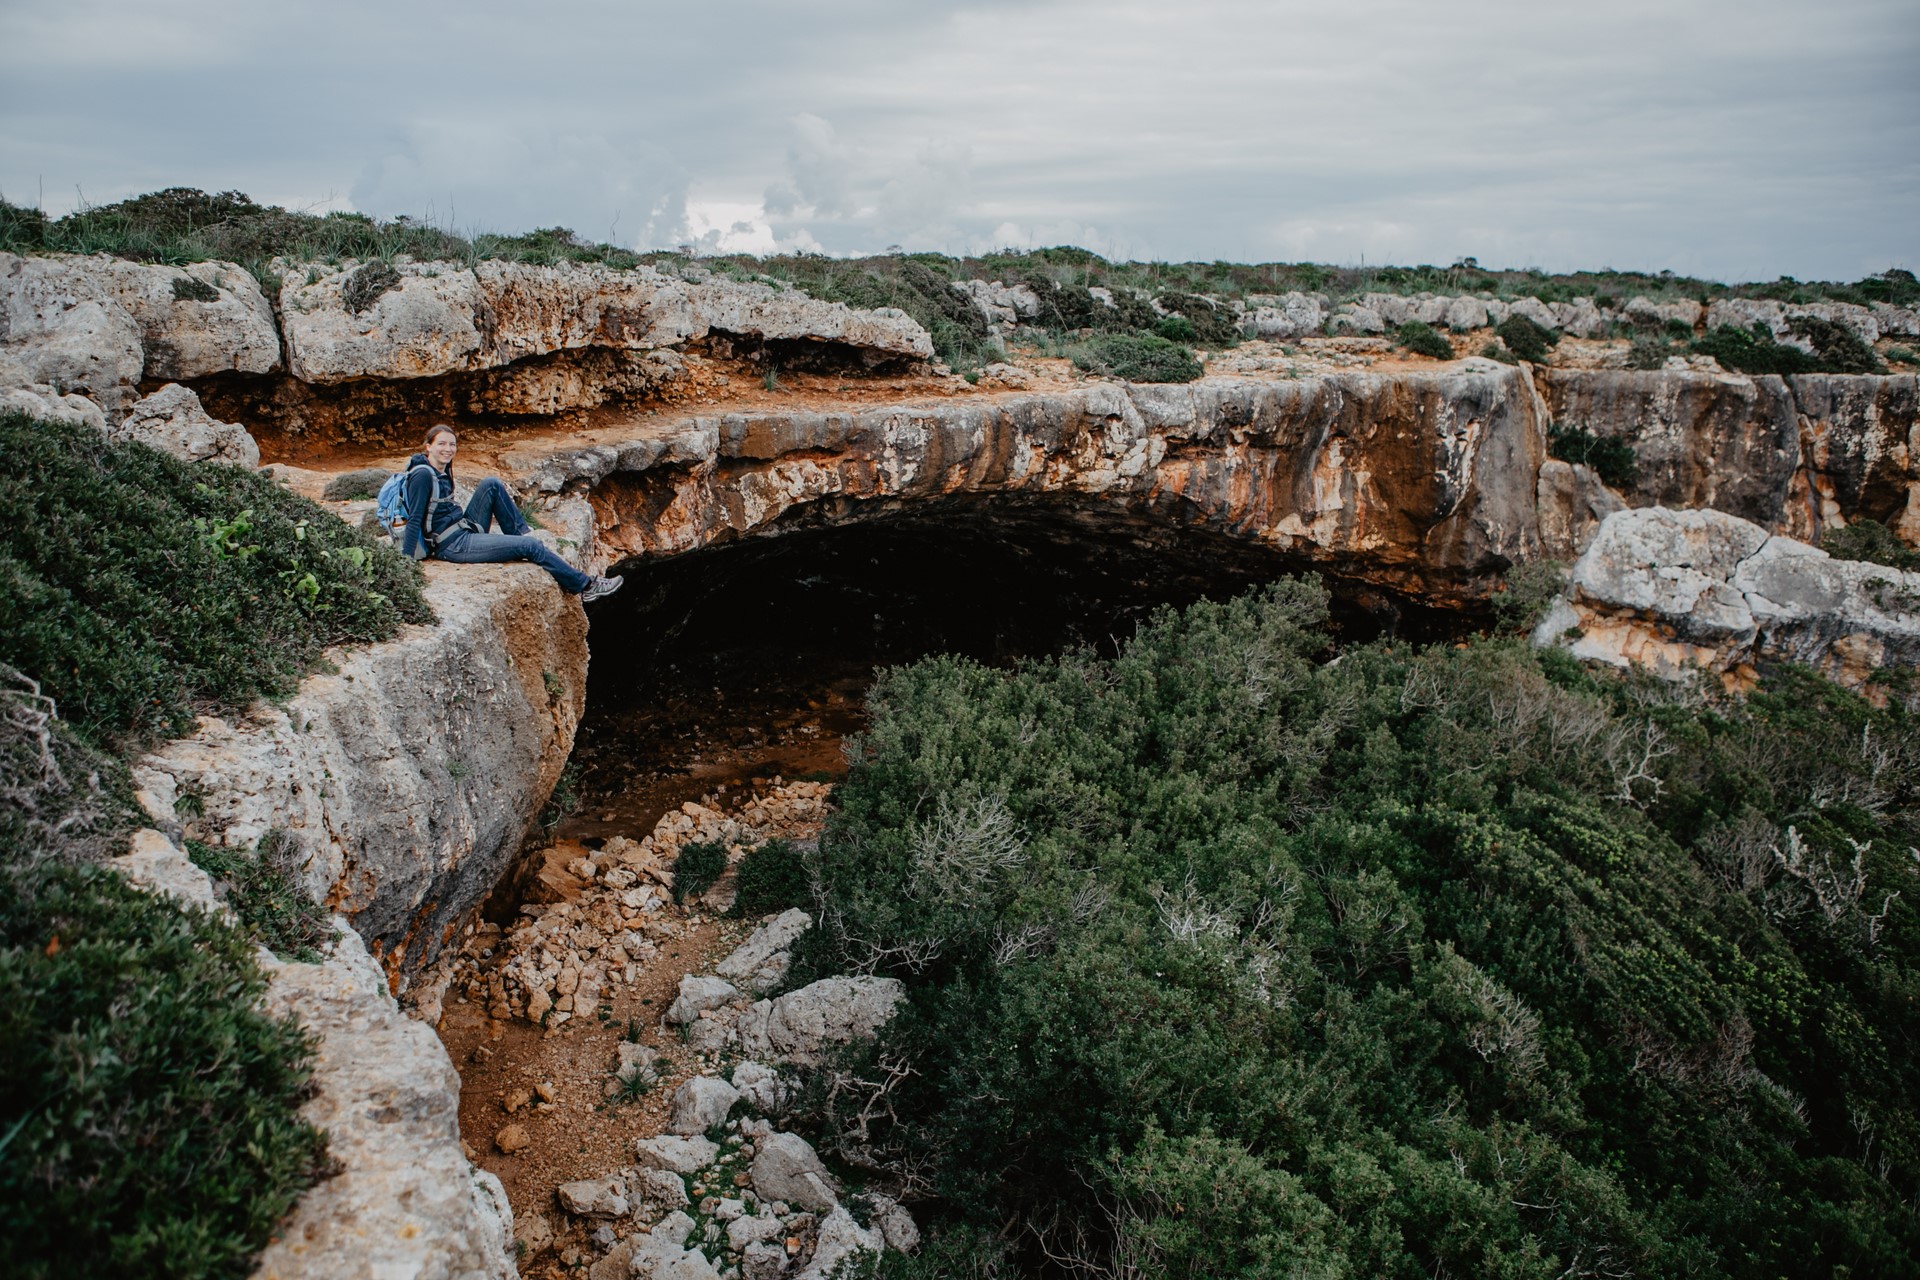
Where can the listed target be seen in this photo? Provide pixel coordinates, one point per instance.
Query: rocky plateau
(410, 774)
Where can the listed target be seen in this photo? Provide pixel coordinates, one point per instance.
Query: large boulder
(1289, 315)
(100, 325)
(698, 994)
(1572, 503)
(172, 420)
(839, 1240)
(1677, 590)
(804, 1026)
(675, 1154)
(196, 320)
(60, 326)
(42, 401)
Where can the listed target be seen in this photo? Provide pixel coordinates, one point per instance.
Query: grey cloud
(1730, 138)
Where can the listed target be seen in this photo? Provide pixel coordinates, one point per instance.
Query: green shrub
(1221, 959)
(261, 889)
(1213, 325)
(697, 868)
(138, 588)
(1753, 351)
(1612, 458)
(1836, 348)
(1527, 339)
(1177, 329)
(772, 877)
(1498, 351)
(1902, 355)
(1648, 353)
(1138, 358)
(1423, 339)
(1871, 541)
(150, 1110)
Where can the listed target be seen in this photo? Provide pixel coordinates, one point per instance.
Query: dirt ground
(585, 1131)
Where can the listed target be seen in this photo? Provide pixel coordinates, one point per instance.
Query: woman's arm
(420, 496)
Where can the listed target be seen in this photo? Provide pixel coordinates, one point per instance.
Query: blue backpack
(391, 506)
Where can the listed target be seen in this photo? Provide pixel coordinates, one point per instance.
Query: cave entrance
(751, 659)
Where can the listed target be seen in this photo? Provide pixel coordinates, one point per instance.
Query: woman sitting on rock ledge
(437, 526)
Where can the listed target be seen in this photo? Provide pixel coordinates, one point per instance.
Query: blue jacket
(430, 506)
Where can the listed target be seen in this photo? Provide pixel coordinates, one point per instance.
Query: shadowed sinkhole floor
(752, 658)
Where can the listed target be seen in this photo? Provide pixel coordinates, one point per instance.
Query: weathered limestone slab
(99, 325)
(406, 1202)
(172, 420)
(439, 318)
(410, 776)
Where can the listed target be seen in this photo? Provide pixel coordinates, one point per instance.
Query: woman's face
(441, 451)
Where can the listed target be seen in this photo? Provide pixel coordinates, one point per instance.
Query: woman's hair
(434, 431)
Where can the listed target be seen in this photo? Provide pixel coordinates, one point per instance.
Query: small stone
(511, 1139)
(546, 1091)
(594, 1197)
(700, 1104)
(538, 1005)
(515, 1099)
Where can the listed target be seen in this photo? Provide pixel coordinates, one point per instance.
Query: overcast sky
(1737, 139)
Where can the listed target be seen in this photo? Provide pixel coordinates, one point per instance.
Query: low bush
(1527, 339)
(151, 1110)
(1647, 354)
(1423, 339)
(1612, 458)
(1138, 358)
(140, 589)
(1221, 959)
(772, 877)
(1497, 350)
(1213, 325)
(261, 889)
(697, 868)
(1871, 541)
(1836, 349)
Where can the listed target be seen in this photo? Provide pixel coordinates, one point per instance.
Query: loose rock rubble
(724, 1194)
(603, 915)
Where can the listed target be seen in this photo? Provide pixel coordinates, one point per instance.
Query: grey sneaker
(599, 588)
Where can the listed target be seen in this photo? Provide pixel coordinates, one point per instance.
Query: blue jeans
(493, 504)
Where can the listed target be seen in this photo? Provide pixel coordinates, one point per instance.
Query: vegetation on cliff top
(140, 589)
(181, 224)
(1227, 961)
(148, 1110)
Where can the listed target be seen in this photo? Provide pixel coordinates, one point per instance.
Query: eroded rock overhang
(1428, 484)
(1424, 484)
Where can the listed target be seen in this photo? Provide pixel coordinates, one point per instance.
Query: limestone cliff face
(410, 777)
(1425, 483)
(1794, 455)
